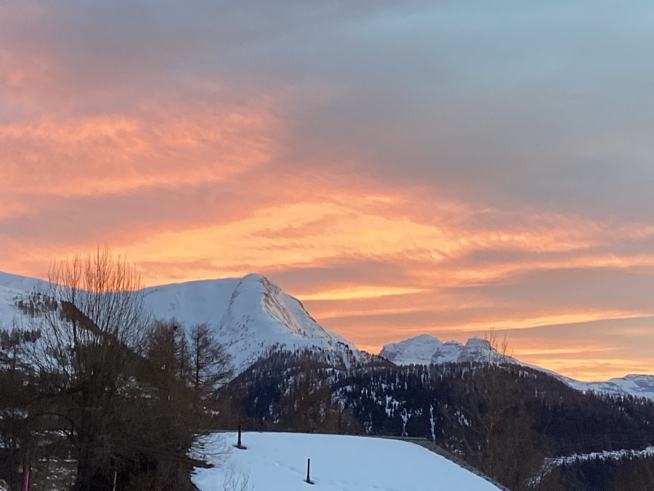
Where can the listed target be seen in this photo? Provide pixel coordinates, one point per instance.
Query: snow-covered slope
(250, 315)
(21, 283)
(7, 309)
(11, 287)
(418, 350)
(448, 353)
(278, 462)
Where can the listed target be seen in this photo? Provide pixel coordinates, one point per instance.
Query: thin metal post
(308, 479)
(239, 443)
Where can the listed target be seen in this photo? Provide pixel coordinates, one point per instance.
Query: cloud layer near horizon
(402, 167)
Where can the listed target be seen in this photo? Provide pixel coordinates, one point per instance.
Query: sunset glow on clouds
(400, 168)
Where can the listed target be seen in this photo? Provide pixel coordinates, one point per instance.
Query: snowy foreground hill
(278, 462)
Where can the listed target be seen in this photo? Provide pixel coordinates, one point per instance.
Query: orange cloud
(591, 369)
(288, 215)
(310, 223)
(349, 293)
(117, 154)
(330, 225)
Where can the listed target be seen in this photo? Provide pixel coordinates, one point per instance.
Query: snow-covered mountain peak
(416, 350)
(256, 292)
(478, 350)
(250, 315)
(425, 350)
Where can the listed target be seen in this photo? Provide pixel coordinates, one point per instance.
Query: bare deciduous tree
(88, 351)
(125, 415)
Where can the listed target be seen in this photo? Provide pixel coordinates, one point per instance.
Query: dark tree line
(302, 403)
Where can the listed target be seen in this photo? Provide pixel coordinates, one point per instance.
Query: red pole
(26, 480)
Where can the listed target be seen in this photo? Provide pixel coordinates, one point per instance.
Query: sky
(402, 167)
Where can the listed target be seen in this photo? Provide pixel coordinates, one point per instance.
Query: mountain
(426, 350)
(417, 351)
(534, 416)
(20, 283)
(250, 316)
(475, 350)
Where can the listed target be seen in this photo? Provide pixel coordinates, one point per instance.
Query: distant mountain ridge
(417, 350)
(426, 350)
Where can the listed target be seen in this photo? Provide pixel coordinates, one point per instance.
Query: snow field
(278, 462)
